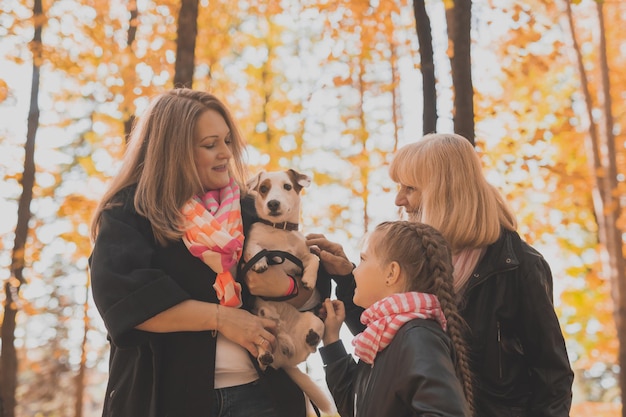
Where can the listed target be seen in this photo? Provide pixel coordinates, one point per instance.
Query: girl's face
(213, 150)
(410, 198)
(370, 277)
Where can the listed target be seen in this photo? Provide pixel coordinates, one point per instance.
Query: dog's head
(277, 194)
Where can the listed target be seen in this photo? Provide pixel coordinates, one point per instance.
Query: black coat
(133, 279)
(413, 376)
(518, 353)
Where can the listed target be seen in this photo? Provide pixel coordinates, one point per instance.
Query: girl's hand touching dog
(333, 313)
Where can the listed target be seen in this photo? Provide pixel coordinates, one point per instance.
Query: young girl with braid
(503, 285)
(412, 358)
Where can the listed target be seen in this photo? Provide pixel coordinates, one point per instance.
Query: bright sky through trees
(529, 129)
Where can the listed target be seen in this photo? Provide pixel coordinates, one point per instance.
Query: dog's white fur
(298, 334)
(277, 200)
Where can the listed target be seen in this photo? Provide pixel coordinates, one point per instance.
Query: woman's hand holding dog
(330, 253)
(246, 329)
(333, 313)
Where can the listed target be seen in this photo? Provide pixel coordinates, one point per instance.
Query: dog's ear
(253, 182)
(300, 180)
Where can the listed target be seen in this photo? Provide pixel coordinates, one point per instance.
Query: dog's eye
(264, 189)
(287, 187)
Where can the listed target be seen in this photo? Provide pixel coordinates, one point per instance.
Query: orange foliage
(548, 164)
(529, 130)
(588, 409)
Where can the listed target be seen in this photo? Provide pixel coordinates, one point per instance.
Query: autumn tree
(544, 149)
(133, 21)
(427, 66)
(8, 358)
(459, 31)
(315, 86)
(366, 101)
(602, 147)
(187, 31)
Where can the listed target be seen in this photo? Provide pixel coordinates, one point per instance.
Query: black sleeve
(340, 369)
(127, 288)
(345, 293)
(249, 216)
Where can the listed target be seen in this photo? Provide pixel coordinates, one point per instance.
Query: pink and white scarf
(386, 316)
(214, 233)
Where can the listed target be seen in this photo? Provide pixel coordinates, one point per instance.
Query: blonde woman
(504, 286)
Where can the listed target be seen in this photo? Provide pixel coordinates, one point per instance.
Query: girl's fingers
(330, 310)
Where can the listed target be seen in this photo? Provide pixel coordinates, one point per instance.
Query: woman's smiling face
(409, 198)
(213, 150)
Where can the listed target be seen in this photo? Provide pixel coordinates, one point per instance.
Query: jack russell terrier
(272, 240)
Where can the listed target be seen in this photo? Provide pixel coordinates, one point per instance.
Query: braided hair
(425, 257)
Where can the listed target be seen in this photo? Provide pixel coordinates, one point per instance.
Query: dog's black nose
(273, 205)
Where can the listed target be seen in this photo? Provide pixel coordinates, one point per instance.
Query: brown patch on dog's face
(277, 194)
(294, 176)
(276, 198)
(266, 185)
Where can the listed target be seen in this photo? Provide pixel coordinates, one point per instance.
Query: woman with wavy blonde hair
(168, 235)
(504, 286)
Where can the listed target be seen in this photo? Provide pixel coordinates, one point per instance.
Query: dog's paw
(286, 351)
(309, 280)
(313, 338)
(266, 358)
(260, 266)
(286, 345)
(308, 283)
(277, 260)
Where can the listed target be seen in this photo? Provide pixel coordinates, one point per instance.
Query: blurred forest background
(328, 87)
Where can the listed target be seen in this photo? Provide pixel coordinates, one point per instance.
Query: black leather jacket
(413, 376)
(168, 374)
(519, 359)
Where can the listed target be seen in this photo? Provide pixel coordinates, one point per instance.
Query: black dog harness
(275, 257)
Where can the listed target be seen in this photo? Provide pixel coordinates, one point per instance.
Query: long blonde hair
(425, 259)
(159, 160)
(456, 198)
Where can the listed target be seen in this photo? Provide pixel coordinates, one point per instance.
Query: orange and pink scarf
(385, 317)
(214, 233)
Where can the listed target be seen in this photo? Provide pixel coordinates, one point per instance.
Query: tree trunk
(396, 114)
(607, 208)
(187, 32)
(267, 98)
(462, 70)
(362, 137)
(132, 35)
(8, 360)
(427, 67)
(80, 377)
(459, 26)
(612, 206)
